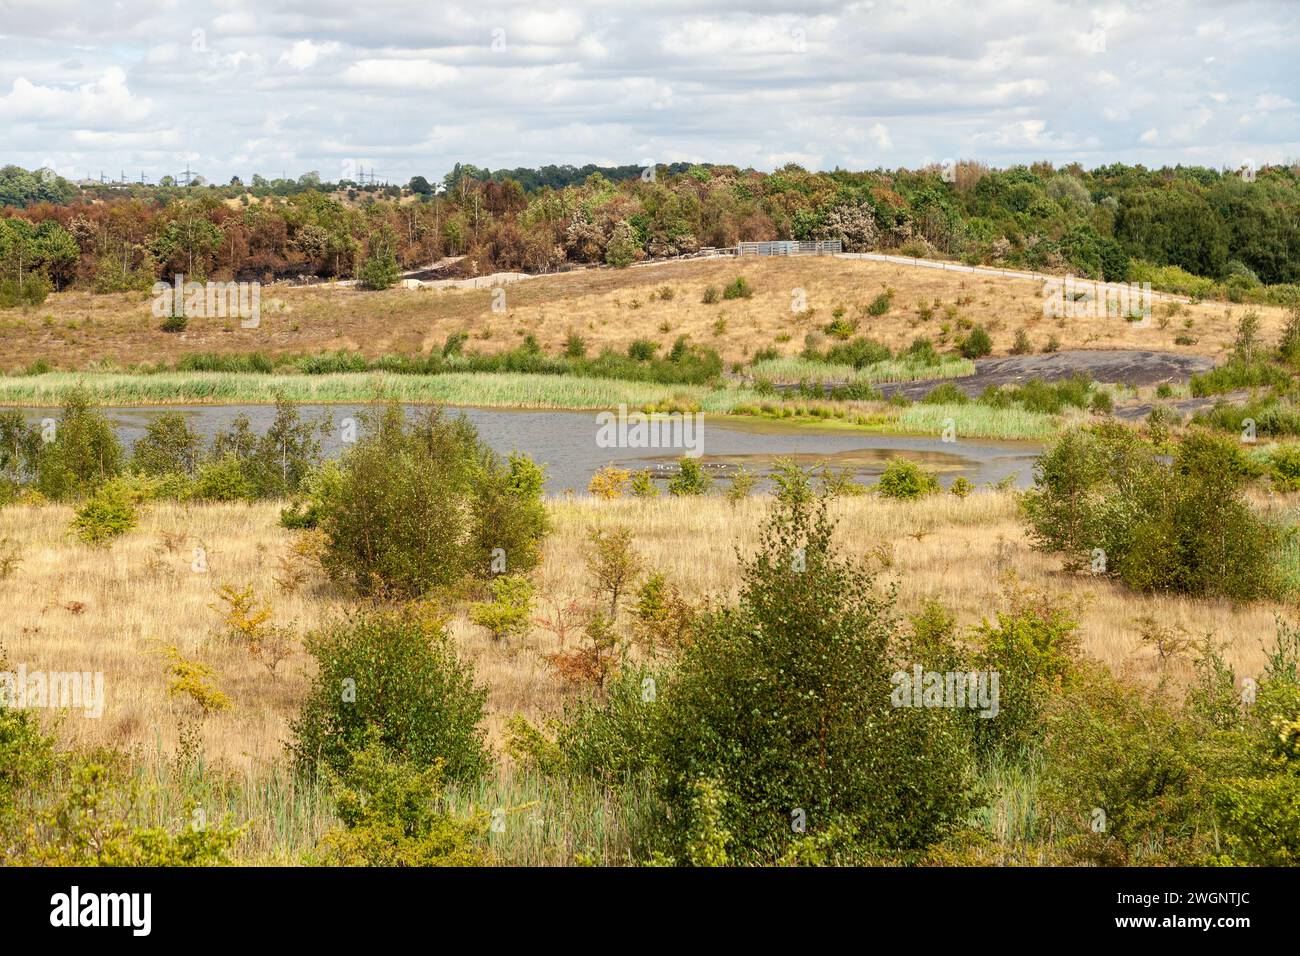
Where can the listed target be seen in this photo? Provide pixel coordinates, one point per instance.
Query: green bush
(612, 738)
(275, 463)
(1284, 466)
(1237, 374)
(791, 736)
(858, 352)
(976, 344)
(507, 614)
(1122, 780)
(1102, 497)
(575, 346)
(380, 270)
(881, 303)
(389, 808)
(904, 479)
(168, 446)
(1033, 646)
(946, 394)
(34, 289)
(83, 454)
(738, 289)
(1260, 818)
(390, 677)
(642, 350)
(222, 479)
(106, 514)
(690, 479)
(421, 506)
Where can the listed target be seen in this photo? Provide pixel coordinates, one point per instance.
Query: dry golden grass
(138, 593)
(609, 308)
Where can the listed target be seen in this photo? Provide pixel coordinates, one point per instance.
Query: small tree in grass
(391, 676)
(690, 479)
(507, 614)
(906, 480)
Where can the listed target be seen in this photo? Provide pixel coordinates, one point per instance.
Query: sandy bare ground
(610, 308)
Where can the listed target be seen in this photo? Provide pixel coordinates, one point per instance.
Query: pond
(567, 443)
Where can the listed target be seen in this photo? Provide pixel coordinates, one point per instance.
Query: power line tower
(188, 176)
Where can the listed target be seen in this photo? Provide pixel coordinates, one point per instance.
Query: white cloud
(399, 74)
(304, 84)
(304, 53)
(104, 101)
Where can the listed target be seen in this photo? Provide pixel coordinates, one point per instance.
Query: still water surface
(566, 443)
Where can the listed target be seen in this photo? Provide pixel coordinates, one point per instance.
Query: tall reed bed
(500, 389)
(797, 369)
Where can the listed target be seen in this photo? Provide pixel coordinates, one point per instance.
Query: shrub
(612, 565)
(608, 482)
(1022, 344)
(222, 479)
(1102, 403)
(739, 288)
(710, 296)
(575, 346)
(168, 446)
(83, 454)
(623, 248)
(1101, 496)
(858, 352)
(1121, 773)
(976, 344)
(507, 614)
(881, 303)
(1284, 466)
(782, 731)
(741, 486)
(1033, 647)
(1260, 818)
(1237, 374)
(390, 677)
(690, 479)
(706, 842)
(33, 289)
(904, 479)
(380, 270)
(90, 823)
(106, 514)
(27, 762)
(946, 394)
(274, 464)
(419, 507)
(642, 350)
(643, 485)
(390, 815)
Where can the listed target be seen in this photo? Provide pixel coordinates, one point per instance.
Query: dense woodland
(1168, 226)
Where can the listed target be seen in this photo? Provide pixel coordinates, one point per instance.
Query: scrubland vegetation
(408, 657)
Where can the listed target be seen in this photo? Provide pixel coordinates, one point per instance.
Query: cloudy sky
(285, 86)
